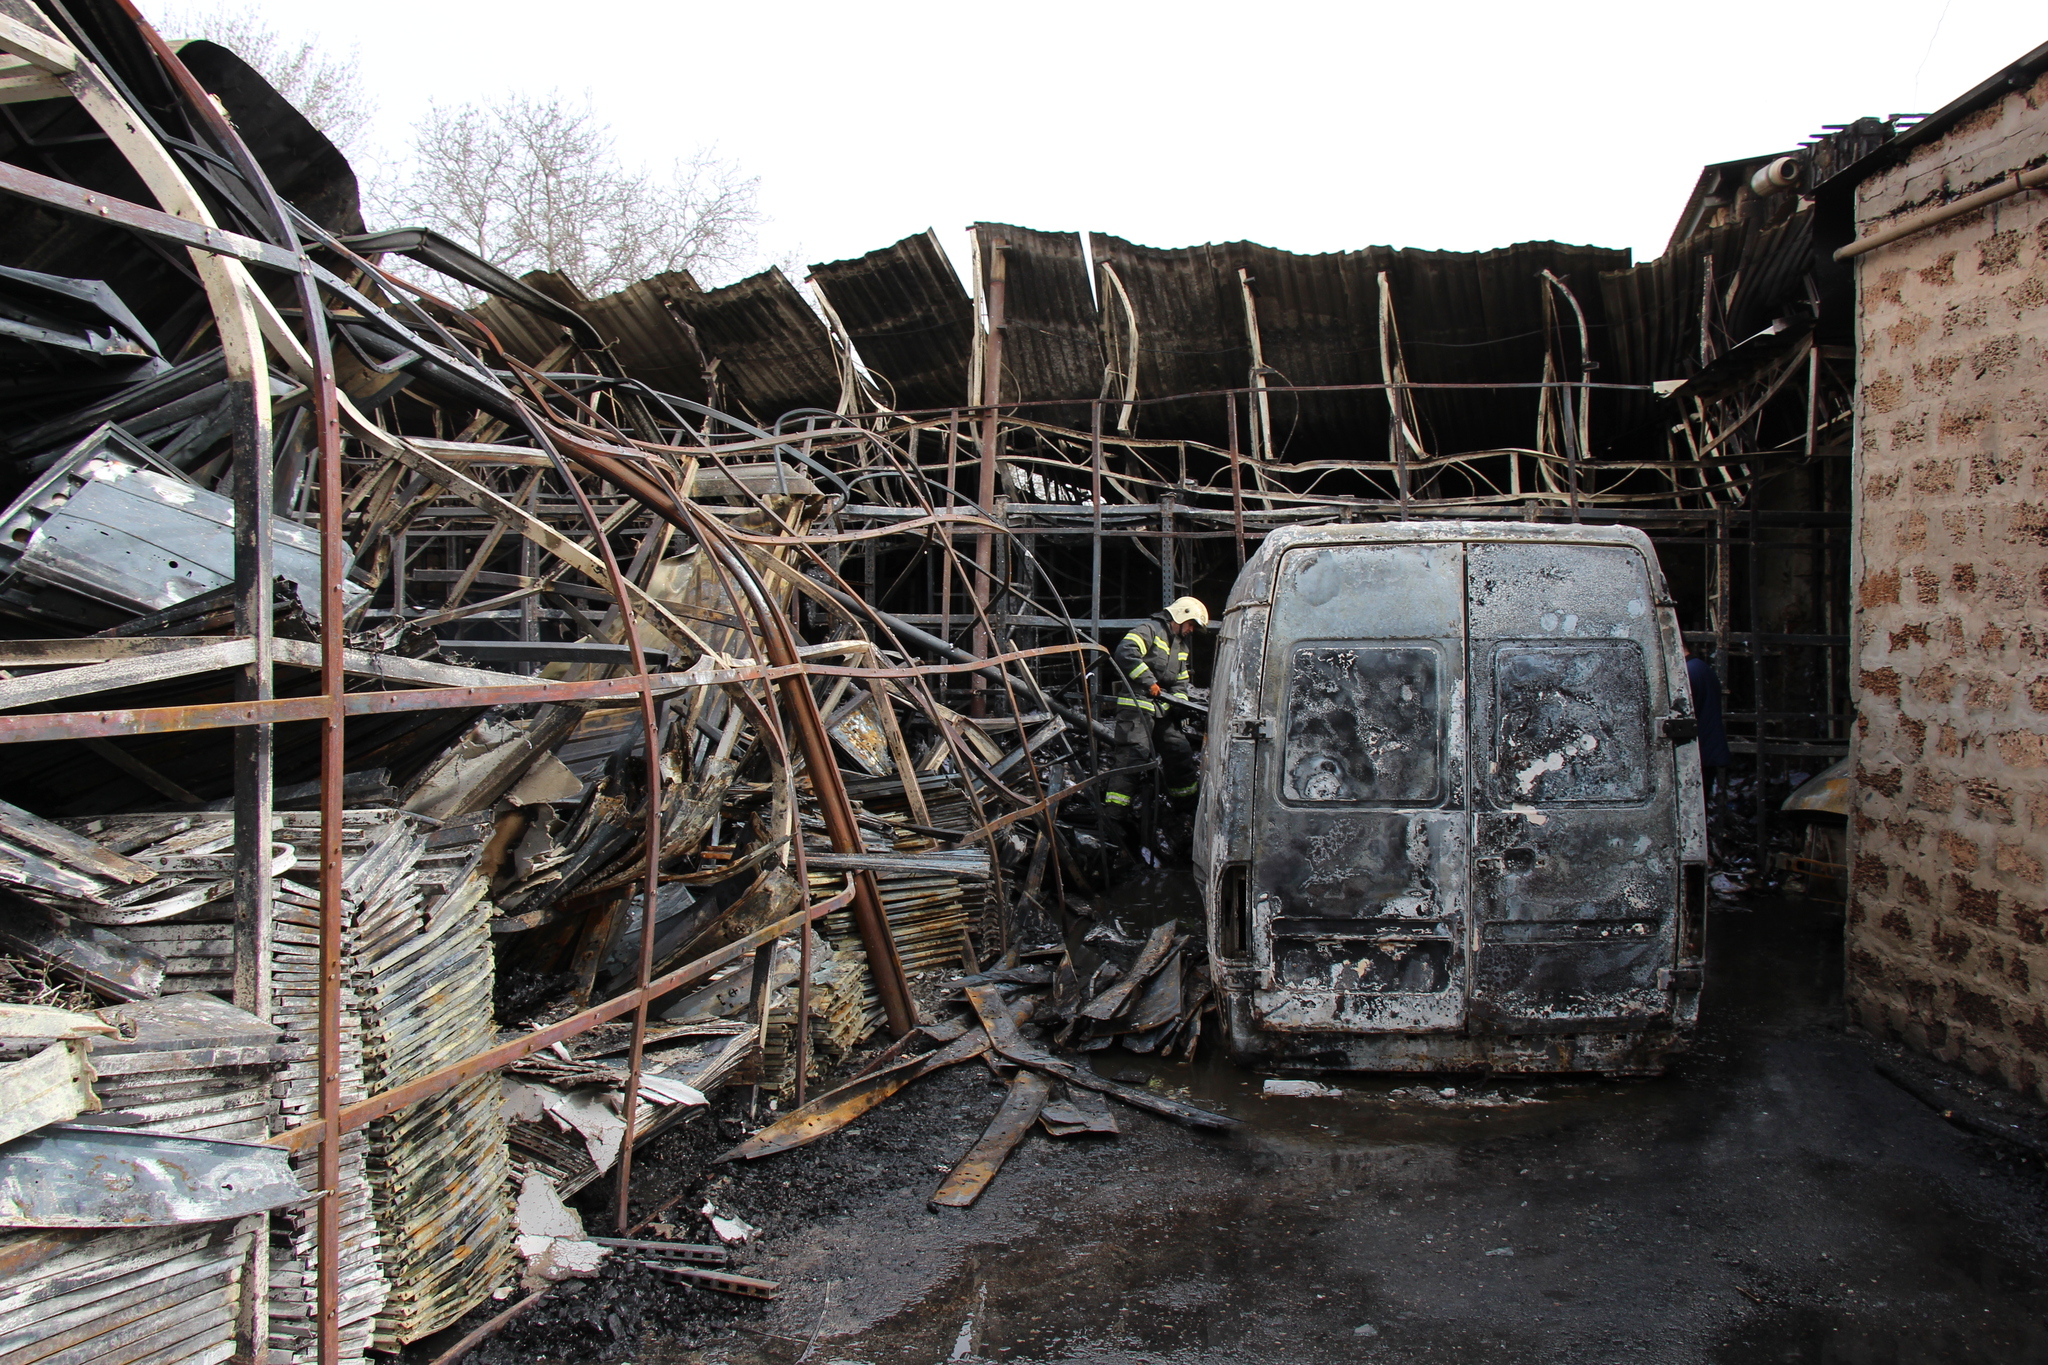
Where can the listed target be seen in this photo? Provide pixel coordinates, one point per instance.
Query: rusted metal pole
(991, 396)
(1236, 477)
(946, 560)
(1095, 503)
(333, 767)
(833, 808)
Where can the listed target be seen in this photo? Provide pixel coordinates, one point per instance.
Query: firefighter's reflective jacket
(1150, 654)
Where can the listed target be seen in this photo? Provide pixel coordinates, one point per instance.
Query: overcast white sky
(1309, 126)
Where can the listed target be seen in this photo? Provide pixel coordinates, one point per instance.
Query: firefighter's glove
(1155, 690)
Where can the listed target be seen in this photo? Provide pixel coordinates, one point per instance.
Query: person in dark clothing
(1706, 707)
(1152, 667)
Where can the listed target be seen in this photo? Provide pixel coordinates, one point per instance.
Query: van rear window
(1362, 725)
(1574, 723)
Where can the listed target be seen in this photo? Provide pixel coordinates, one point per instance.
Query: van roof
(1254, 583)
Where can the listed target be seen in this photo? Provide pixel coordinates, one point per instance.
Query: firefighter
(1152, 668)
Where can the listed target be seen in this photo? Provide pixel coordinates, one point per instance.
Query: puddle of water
(1746, 1207)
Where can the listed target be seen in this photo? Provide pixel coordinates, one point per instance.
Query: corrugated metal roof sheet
(1474, 316)
(645, 324)
(909, 318)
(1051, 348)
(1759, 270)
(1462, 316)
(773, 351)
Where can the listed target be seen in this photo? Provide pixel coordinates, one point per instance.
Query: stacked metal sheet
(418, 945)
(926, 897)
(151, 1296)
(839, 995)
(295, 1007)
(193, 1065)
(197, 945)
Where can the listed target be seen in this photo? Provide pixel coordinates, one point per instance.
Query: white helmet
(1185, 609)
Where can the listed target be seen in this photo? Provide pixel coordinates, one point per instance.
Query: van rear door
(1575, 845)
(1360, 831)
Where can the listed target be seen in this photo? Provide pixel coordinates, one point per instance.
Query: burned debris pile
(441, 760)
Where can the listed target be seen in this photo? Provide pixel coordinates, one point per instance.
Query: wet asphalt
(1770, 1199)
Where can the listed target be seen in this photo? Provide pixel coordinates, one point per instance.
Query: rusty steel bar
(333, 769)
(991, 395)
(1095, 502)
(383, 1105)
(66, 197)
(868, 914)
(1236, 484)
(43, 728)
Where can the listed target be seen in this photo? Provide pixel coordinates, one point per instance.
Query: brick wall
(1949, 831)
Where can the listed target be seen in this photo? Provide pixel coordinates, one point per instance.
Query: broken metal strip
(694, 1252)
(389, 1102)
(746, 1286)
(831, 1112)
(34, 728)
(1021, 1107)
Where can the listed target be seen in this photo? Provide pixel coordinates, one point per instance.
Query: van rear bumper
(1605, 1047)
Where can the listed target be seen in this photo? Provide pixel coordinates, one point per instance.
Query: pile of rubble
(433, 771)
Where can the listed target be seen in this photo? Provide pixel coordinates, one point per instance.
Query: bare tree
(327, 89)
(535, 182)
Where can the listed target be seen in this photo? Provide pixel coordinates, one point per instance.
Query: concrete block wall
(1948, 911)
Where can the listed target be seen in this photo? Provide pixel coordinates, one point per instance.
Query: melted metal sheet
(74, 1176)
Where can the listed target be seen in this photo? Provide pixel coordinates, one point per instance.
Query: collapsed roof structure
(400, 671)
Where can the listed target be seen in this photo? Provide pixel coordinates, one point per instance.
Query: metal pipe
(2015, 182)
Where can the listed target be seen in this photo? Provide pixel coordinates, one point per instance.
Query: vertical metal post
(529, 568)
(1167, 582)
(1236, 476)
(946, 560)
(1260, 417)
(252, 745)
(1812, 398)
(333, 765)
(991, 396)
(758, 986)
(1095, 532)
(1756, 681)
(1724, 586)
(999, 581)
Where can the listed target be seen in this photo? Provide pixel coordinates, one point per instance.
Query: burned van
(1451, 809)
